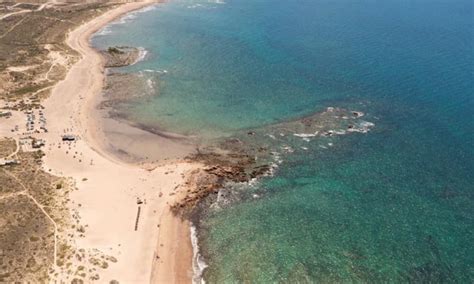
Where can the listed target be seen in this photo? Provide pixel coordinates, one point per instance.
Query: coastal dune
(123, 207)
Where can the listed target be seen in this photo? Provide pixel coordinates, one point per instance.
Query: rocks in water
(328, 133)
(230, 166)
(260, 171)
(255, 153)
(357, 113)
(200, 185)
(121, 56)
(232, 173)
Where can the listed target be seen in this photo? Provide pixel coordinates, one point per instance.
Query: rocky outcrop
(220, 169)
(120, 56)
(256, 153)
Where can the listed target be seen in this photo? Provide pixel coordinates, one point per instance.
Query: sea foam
(142, 53)
(106, 30)
(198, 262)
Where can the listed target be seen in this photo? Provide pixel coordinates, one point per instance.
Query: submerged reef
(254, 153)
(233, 164)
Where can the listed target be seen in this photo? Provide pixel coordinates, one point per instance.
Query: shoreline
(128, 209)
(109, 189)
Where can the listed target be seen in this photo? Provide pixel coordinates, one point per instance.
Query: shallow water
(391, 205)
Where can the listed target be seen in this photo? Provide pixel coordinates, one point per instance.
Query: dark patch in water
(434, 271)
(256, 152)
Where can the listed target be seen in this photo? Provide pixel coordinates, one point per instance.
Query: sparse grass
(27, 40)
(7, 147)
(25, 231)
(27, 235)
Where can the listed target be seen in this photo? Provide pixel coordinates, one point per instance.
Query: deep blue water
(392, 205)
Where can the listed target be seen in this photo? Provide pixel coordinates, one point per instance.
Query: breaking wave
(198, 262)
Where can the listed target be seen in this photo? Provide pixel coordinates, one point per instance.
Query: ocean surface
(393, 205)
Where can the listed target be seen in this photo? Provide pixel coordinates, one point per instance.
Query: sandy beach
(124, 207)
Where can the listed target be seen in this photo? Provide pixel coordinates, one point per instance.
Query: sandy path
(41, 7)
(108, 190)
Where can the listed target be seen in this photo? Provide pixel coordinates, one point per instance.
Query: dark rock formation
(253, 153)
(120, 56)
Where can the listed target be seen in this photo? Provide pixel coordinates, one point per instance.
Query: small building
(69, 138)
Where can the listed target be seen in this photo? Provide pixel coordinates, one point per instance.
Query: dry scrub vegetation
(33, 54)
(30, 207)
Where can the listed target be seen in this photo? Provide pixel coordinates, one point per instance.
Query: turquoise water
(391, 205)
